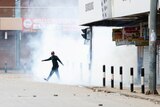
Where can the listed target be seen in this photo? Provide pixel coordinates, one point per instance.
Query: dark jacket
(55, 60)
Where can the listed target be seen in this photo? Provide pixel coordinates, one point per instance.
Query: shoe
(45, 79)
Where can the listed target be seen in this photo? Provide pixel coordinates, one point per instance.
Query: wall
(113, 8)
(10, 24)
(7, 49)
(130, 7)
(90, 11)
(7, 8)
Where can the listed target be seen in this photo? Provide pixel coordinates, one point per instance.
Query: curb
(153, 98)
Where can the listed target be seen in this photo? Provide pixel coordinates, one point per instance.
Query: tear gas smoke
(70, 50)
(63, 37)
(74, 54)
(105, 52)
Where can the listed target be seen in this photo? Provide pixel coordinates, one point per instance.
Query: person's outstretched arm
(46, 59)
(60, 61)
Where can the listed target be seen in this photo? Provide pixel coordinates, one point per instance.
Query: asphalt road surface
(17, 90)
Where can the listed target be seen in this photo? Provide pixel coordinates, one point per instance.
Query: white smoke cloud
(70, 48)
(63, 37)
(105, 52)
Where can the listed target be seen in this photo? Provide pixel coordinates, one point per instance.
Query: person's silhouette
(55, 66)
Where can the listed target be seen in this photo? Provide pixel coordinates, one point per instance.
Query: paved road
(19, 90)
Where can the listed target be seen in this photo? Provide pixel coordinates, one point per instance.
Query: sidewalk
(126, 92)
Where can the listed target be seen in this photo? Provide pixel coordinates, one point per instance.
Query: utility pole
(152, 47)
(90, 49)
(90, 52)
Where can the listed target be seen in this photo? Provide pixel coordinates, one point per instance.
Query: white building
(126, 14)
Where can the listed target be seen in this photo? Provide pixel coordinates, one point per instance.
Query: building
(132, 17)
(20, 21)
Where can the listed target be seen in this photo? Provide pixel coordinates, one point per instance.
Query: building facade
(132, 17)
(20, 21)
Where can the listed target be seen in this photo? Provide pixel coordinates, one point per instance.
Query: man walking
(55, 66)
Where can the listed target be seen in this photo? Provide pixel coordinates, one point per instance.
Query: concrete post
(112, 77)
(5, 67)
(142, 81)
(104, 76)
(121, 78)
(132, 80)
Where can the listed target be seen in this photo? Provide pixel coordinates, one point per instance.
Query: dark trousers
(56, 72)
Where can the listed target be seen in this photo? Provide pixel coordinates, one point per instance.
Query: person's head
(52, 53)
